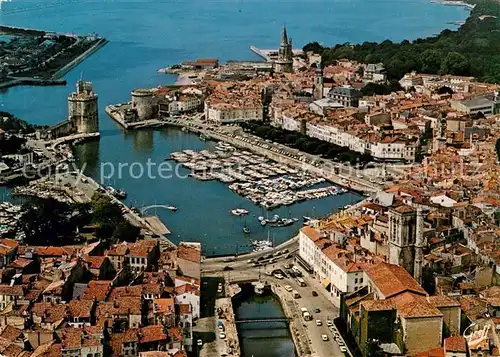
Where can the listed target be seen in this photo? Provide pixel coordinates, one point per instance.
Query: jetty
(117, 112)
(155, 223)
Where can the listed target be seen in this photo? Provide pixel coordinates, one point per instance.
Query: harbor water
(146, 35)
(262, 339)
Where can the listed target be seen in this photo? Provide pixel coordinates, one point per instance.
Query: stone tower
(402, 232)
(284, 63)
(318, 83)
(82, 109)
(419, 241)
(143, 102)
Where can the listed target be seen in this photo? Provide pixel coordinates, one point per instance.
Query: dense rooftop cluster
(129, 299)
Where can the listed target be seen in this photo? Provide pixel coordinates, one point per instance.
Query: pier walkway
(230, 346)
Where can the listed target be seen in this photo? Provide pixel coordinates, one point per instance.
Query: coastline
(33, 79)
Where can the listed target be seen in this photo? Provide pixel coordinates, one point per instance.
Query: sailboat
(246, 230)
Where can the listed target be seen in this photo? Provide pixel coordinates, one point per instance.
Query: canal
(269, 339)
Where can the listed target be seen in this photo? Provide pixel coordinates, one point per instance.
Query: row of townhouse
(387, 148)
(334, 267)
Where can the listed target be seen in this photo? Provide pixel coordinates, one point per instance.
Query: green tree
(455, 63)
(124, 231)
(431, 61)
(46, 222)
(314, 47)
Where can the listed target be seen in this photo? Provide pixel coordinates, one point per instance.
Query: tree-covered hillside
(473, 49)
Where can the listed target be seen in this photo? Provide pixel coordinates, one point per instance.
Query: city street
(242, 271)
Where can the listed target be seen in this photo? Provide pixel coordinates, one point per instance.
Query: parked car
(329, 323)
(288, 288)
(278, 276)
(199, 342)
(324, 337)
(316, 310)
(222, 335)
(319, 323)
(314, 293)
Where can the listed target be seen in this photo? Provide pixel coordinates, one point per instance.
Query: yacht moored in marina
(239, 211)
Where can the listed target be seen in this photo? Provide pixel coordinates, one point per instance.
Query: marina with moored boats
(260, 180)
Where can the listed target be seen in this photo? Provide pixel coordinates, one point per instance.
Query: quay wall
(225, 312)
(130, 215)
(32, 82)
(297, 330)
(114, 114)
(75, 62)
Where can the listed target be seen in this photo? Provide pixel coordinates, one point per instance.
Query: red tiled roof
(187, 289)
(378, 305)
(15, 290)
(20, 263)
(435, 352)
(117, 249)
(135, 290)
(190, 253)
(312, 233)
(392, 279)
(80, 308)
(411, 305)
(443, 301)
(152, 333)
(11, 333)
(98, 289)
(49, 312)
(95, 262)
(165, 305)
(455, 344)
(76, 338)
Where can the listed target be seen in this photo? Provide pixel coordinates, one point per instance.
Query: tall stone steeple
(318, 83)
(284, 63)
(284, 37)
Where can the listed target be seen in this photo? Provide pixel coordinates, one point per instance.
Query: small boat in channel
(172, 208)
